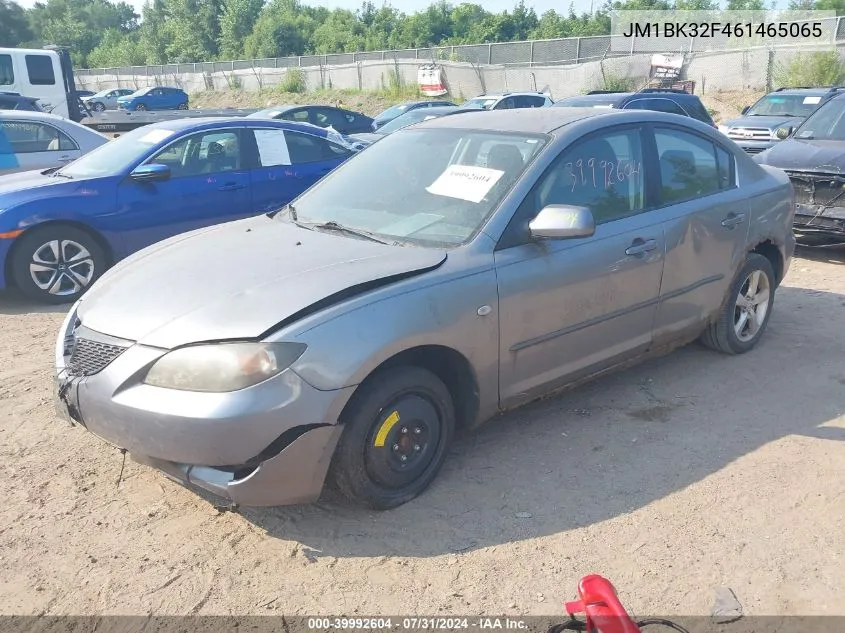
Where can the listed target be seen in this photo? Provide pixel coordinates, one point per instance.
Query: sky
(409, 6)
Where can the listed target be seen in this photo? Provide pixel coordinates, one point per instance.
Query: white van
(35, 72)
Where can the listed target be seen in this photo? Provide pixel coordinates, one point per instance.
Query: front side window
(7, 72)
(203, 153)
(297, 115)
(604, 173)
(40, 70)
(688, 166)
(425, 187)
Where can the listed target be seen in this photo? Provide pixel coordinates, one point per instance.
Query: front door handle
(65, 159)
(640, 246)
(733, 219)
(231, 186)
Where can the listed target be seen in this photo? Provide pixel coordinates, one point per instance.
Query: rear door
(706, 221)
(36, 145)
(209, 184)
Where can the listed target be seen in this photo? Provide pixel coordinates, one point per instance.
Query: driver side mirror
(784, 132)
(745, 109)
(562, 221)
(150, 173)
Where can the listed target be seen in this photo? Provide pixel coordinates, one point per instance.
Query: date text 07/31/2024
(724, 29)
(413, 624)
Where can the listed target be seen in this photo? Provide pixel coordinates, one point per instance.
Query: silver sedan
(106, 99)
(455, 269)
(37, 140)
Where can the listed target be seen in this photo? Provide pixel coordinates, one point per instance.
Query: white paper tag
(811, 100)
(155, 136)
(465, 182)
(272, 147)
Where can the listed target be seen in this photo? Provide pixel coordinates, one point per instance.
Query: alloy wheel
(61, 267)
(752, 306)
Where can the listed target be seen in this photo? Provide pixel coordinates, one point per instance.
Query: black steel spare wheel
(397, 430)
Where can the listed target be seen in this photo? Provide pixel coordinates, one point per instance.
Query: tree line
(107, 34)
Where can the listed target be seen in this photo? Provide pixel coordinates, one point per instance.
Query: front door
(209, 184)
(706, 225)
(569, 308)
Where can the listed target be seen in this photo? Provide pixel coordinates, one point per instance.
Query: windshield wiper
(331, 225)
(58, 174)
(289, 207)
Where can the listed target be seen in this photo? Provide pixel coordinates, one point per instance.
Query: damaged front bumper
(819, 205)
(267, 445)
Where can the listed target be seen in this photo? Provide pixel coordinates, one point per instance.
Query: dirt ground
(687, 473)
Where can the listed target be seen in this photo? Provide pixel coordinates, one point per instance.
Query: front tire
(397, 432)
(182, 106)
(744, 316)
(56, 264)
(98, 107)
(141, 107)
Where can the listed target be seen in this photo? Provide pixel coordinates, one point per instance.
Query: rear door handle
(231, 186)
(640, 247)
(733, 219)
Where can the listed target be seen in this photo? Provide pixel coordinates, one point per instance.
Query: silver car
(454, 270)
(106, 99)
(37, 140)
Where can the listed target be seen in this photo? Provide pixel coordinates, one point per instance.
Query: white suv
(508, 100)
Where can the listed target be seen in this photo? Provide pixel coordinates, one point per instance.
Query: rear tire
(56, 264)
(397, 431)
(744, 316)
(182, 106)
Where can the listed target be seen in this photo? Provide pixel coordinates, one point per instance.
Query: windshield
(428, 187)
(480, 103)
(409, 118)
(140, 92)
(102, 93)
(826, 124)
(393, 112)
(785, 105)
(116, 156)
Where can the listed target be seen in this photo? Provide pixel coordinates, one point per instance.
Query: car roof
(544, 120)
(33, 116)
(805, 91)
(179, 125)
(500, 95)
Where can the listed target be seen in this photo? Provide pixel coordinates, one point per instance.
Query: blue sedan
(61, 229)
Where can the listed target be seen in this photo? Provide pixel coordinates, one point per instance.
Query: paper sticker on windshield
(465, 182)
(155, 136)
(812, 100)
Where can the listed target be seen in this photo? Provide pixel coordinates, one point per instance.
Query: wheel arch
(102, 242)
(449, 365)
(770, 250)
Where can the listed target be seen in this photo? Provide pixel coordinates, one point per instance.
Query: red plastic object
(605, 614)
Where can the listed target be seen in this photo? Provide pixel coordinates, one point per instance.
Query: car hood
(801, 155)
(239, 280)
(770, 122)
(31, 185)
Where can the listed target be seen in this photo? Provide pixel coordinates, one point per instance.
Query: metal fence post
(578, 50)
(531, 55)
(489, 53)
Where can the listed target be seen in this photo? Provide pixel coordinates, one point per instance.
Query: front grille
(750, 134)
(818, 189)
(753, 150)
(90, 357)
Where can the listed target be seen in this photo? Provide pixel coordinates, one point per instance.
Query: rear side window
(307, 148)
(659, 105)
(6, 104)
(40, 70)
(527, 101)
(7, 73)
(30, 138)
(690, 166)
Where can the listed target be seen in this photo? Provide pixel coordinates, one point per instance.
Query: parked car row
(417, 289)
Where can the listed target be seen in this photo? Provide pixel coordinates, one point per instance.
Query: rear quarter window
(7, 72)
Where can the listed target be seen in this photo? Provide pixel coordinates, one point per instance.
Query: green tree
(118, 49)
(14, 26)
(236, 23)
